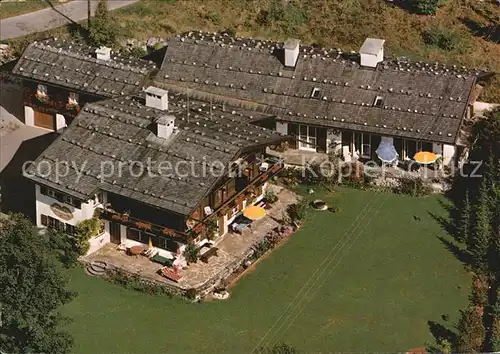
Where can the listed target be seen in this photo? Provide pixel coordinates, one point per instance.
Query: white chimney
(292, 48)
(103, 53)
(157, 98)
(372, 52)
(165, 126)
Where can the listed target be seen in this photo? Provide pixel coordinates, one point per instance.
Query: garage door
(45, 120)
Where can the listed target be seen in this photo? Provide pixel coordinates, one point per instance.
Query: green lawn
(375, 277)
(10, 9)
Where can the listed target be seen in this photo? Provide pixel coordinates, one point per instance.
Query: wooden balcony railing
(127, 220)
(52, 105)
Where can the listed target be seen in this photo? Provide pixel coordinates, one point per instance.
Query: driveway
(53, 17)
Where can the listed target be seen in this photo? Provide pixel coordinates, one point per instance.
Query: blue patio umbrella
(386, 151)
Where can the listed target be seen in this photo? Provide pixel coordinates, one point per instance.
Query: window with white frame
(307, 137)
(315, 92)
(73, 98)
(41, 90)
(362, 144)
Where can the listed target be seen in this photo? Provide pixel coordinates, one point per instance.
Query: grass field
(15, 8)
(374, 278)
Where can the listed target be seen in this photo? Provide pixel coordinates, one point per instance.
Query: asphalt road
(52, 17)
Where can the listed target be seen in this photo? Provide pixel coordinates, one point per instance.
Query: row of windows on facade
(55, 224)
(42, 90)
(378, 102)
(157, 241)
(67, 199)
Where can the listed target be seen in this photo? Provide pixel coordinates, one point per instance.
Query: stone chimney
(291, 49)
(372, 52)
(103, 53)
(157, 98)
(165, 126)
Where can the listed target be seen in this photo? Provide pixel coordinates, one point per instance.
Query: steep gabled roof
(117, 135)
(418, 100)
(74, 66)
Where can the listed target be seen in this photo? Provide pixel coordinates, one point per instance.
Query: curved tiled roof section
(116, 134)
(74, 66)
(420, 100)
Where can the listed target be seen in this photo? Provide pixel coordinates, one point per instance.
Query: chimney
(103, 53)
(372, 52)
(165, 126)
(157, 98)
(291, 48)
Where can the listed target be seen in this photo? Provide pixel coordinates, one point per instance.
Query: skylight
(379, 101)
(315, 92)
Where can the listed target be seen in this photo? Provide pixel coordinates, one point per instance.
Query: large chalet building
(155, 167)
(329, 100)
(60, 76)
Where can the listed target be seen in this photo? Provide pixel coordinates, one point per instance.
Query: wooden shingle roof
(75, 67)
(419, 100)
(117, 135)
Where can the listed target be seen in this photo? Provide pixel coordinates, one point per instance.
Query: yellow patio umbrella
(254, 212)
(150, 243)
(425, 157)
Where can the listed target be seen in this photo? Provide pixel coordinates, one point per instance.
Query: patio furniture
(240, 224)
(169, 273)
(163, 260)
(206, 256)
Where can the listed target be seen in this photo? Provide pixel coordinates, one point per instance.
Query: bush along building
(155, 168)
(328, 100)
(59, 77)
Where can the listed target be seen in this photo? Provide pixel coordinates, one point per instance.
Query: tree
(479, 245)
(426, 7)
(32, 289)
(471, 331)
(103, 30)
(464, 226)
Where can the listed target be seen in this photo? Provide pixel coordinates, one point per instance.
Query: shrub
(321, 173)
(442, 38)
(298, 211)
(85, 230)
(137, 52)
(64, 247)
(260, 248)
(211, 228)
(191, 253)
(412, 186)
(134, 282)
(287, 15)
(103, 30)
(270, 197)
(426, 7)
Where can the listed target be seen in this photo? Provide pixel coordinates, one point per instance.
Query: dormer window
(41, 90)
(379, 101)
(315, 92)
(73, 99)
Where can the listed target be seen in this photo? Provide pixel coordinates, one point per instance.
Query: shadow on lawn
(440, 333)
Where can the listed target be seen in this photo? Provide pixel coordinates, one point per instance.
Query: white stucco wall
(448, 154)
(29, 116)
(60, 122)
(43, 203)
(97, 242)
(333, 137)
(437, 148)
(282, 127)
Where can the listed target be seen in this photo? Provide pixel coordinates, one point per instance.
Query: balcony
(129, 221)
(51, 105)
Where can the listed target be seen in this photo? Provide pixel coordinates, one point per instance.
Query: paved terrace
(232, 249)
